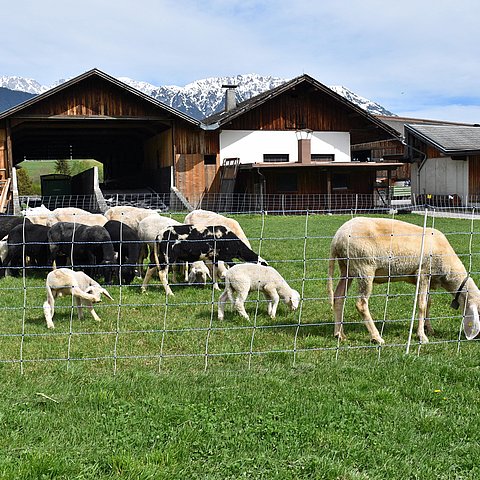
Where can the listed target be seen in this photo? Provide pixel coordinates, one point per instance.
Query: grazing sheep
(64, 281)
(8, 222)
(38, 215)
(247, 277)
(203, 218)
(76, 215)
(199, 273)
(88, 247)
(131, 216)
(378, 250)
(187, 243)
(29, 241)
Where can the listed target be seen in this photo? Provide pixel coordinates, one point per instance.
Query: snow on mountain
(201, 98)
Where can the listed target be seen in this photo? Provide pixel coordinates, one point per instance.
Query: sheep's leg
(239, 304)
(148, 277)
(221, 304)
(339, 297)
(79, 303)
(89, 307)
(428, 325)
(163, 274)
(365, 287)
(48, 310)
(271, 294)
(422, 309)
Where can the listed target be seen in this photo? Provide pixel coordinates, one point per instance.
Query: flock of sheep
(117, 243)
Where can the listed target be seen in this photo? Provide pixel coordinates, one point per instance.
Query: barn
(446, 162)
(138, 140)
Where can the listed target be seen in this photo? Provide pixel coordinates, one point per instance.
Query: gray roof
(449, 139)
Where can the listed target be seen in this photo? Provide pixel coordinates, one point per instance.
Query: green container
(55, 184)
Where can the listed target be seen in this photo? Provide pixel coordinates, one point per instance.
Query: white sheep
(38, 215)
(131, 216)
(247, 277)
(378, 250)
(202, 218)
(64, 281)
(76, 215)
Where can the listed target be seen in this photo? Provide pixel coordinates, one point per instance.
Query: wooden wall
(474, 175)
(306, 107)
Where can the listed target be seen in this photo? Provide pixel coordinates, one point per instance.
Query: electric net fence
(159, 331)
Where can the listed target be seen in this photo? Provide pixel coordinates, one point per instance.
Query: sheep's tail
(229, 290)
(331, 270)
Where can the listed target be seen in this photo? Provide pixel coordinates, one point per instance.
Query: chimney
(230, 100)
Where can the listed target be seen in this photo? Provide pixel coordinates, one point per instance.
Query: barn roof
(98, 73)
(219, 119)
(449, 139)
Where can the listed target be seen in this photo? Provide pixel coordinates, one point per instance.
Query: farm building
(297, 139)
(446, 160)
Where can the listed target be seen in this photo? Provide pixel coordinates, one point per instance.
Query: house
(446, 160)
(297, 139)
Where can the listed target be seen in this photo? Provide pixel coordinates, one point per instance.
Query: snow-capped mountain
(201, 98)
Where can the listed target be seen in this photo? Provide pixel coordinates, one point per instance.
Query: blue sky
(416, 58)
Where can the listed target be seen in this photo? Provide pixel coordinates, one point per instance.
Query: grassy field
(195, 398)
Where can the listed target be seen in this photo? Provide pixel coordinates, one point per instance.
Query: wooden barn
(140, 141)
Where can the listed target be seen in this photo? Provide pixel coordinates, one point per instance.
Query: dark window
(210, 159)
(362, 156)
(320, 157)
(287, 182)
(340, 181)
(275, 157)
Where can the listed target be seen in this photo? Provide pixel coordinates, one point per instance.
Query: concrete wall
(441, 176)
(250, 146)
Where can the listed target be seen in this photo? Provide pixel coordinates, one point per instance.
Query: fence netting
(145, 326)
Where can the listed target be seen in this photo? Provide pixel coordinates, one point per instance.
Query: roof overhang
(326, 166)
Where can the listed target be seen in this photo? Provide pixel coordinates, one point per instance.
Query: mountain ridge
(199, 99)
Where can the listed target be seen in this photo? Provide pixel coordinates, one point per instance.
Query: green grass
(260, 410)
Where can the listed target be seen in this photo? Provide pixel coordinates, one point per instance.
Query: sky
(417, 58)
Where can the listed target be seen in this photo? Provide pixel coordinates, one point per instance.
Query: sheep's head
(469, 303)
(294, 300)
(198, 269)
(97, 291)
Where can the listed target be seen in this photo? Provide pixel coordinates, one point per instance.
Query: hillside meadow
(161, 389)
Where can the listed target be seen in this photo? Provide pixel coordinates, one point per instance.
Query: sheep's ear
(471, 322)
(106, 293)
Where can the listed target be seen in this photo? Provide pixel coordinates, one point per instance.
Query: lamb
(199, 273)
(131, 216)
(247, 277)
(64, 281)
(76, 215)
(377, 250)
(203, 218)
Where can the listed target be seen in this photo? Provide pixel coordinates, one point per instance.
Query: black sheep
(29, 240)
(127, 246)
(87, 247)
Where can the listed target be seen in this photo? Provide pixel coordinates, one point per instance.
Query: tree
(24, 182)
(62, 166)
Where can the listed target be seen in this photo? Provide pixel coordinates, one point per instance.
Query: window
(287, 182)
(339, 181)
(276, 157)
(320, 157)
(210, 159)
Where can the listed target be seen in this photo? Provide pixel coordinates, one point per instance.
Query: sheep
(203, 218)
(187, 243)
(38, 215)
(131, 216)
(76, 215)
(127, 246)
(377, 250)
(8, 222)
(199, 273)
(29, 240)
(64, 281)
(247, 277)
(86, 246)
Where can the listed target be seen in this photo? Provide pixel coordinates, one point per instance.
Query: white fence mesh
(159, 332)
